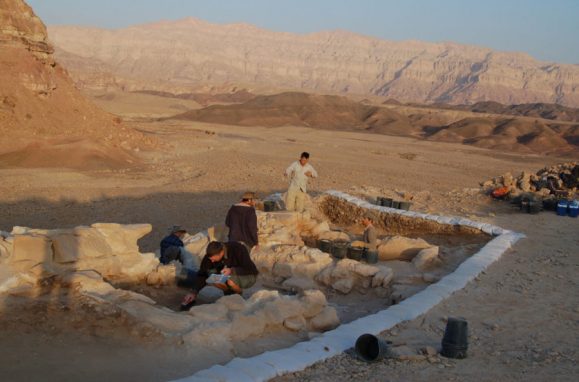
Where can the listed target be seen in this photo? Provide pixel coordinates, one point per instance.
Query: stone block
(210, 312)
(295, 324)
(344, 285)
(426, 259)
(326, 320)
(81, 243)
(313, 302)
(245, 326)
(233, 302)
(400, 248)
(29, 251)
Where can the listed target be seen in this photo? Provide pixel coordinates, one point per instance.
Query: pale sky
(546, 29)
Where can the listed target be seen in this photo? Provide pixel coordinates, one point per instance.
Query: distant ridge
(191, 55)
(507, 133)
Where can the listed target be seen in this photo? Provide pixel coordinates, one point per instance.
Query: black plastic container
(404, 205)
(395, 204)
(455, 340)
(534, 207)
(386, 202)
(269, 205)
(371, 348)
(340, 249)
(325, 245)
(355, 253)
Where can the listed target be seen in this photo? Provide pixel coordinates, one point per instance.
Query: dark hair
(305, 155)
(214, 248)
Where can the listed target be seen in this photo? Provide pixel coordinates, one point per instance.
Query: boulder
(365, 270)
(218, 232)
(210, 312)
(326, 320)
(313, 302)
(344, 285)
(296, 324)
(233, 302)
(29, 251)
(400, 248)
(5, 248)
(383, 277)
(83, 242)
(427, 258)
(278, 310)
(122, 238)
(245, 326)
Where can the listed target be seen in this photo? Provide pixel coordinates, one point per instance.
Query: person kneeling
(227, 259)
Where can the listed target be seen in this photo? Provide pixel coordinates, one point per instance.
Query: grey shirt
(370, 237)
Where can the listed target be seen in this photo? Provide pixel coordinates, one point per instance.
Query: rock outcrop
(38, 100)
(191, 54)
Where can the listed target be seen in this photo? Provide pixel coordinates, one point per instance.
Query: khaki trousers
(295, 199)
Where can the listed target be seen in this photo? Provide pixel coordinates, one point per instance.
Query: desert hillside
(190, 54)
(491, 131)
(44, 119)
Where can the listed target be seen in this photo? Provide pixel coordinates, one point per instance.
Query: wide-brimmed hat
(177, 228)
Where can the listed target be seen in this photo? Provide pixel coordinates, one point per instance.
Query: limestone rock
(326, 320)
(427, 258)
(233, 302)
(313, 302)
(295, 324)
(383, 277)
(344, 285)
(365, 270)
(210, 312)
(400, 248)
(83, 242)
(29, 251)
(245, 326)
(321, 228)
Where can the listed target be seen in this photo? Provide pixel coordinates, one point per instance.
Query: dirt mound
(206, 99)
(80, 154)
(38, 99)
(514, 134)
(301, 109)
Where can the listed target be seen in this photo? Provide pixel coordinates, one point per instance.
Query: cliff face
(190, 54)
(38, 100)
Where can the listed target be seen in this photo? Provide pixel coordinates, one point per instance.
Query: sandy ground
(523, 312)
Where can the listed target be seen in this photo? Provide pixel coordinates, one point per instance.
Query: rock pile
(561, 180)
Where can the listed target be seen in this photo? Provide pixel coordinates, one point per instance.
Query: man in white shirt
(298, 173)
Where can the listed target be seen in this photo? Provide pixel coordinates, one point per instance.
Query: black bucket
(404, 206)
(269, 205)
(395, 204)
(325, 245)
(340, 249)
(455, 340)
(371, 348)
(535, 207)
(386, 202)
(371, 257)
(355, 253)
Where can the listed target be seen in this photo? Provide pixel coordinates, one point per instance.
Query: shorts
(244, 281)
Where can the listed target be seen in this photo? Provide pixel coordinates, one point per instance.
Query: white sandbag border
(274, 363)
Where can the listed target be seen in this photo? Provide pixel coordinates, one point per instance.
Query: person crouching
(230, 259)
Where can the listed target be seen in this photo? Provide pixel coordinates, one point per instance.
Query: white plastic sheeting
(273, 363)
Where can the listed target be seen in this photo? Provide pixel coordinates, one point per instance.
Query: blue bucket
(573, 209)
(562, 208)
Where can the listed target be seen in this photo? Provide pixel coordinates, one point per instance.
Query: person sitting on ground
(298, 173)
(173, 248)
(230, 259)
(242, 221)
(172, 244)
(370, 236)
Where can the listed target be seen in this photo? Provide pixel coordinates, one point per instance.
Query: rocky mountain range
(192, 55)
